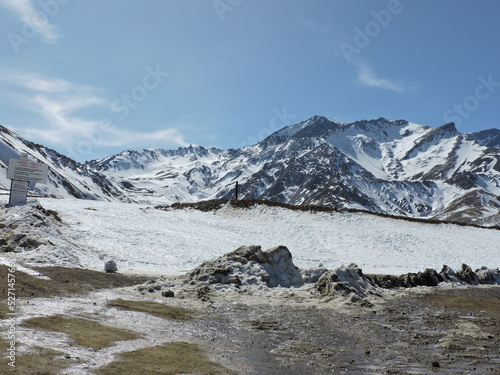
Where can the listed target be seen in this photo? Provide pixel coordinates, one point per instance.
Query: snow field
(144, 240)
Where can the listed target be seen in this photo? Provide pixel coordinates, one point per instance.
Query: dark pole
(236, 191)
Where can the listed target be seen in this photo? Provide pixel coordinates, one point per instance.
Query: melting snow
(145, 240)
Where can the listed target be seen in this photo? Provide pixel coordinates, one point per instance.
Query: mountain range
(386, 166)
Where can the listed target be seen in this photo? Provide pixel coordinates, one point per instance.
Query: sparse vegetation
(40, 361)
(167, 359)
(82, 331)
(215, 204)
(154, 308)
(64, 281)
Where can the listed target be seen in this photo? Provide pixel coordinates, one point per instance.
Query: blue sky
(91, 78)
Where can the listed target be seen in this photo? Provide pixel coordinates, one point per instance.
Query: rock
(449, 275)
(168, 294)
(234, 280)
(18, 237)
(110, 266)
(467, 275)
(487, 276)
(345, 281)
(429, 277)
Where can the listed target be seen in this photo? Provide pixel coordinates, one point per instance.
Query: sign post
(21, 172)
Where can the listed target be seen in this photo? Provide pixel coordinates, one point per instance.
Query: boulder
(344, 281)
(487, 276)
(467, 275)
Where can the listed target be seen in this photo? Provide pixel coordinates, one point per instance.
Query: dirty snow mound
(249, 265)
(32, 234)
(346, 281)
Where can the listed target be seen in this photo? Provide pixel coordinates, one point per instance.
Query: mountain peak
(448, 128)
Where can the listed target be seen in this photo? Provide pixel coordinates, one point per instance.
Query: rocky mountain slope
(67, 178)
(381, 165)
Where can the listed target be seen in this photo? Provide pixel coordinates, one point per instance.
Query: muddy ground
(115, 329)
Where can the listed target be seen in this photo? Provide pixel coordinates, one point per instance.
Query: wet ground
(453, 330)
(443, 331)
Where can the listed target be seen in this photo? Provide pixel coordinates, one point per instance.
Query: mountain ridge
(390, 166)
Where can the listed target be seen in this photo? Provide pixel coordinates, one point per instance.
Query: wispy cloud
(368, 78)
(26, 12)
(36, 82)
(67, 116)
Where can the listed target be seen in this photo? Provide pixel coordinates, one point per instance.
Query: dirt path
(421, 331)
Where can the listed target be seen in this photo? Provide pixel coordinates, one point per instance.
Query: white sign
(25, 170)
(18, 192)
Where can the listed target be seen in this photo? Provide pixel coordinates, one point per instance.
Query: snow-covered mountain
(67, 178)
(386, 166)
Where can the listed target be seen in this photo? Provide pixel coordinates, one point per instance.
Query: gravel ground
(442, 330)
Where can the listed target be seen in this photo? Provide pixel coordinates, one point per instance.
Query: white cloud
(367, 77)
(62, 105)
(39, 21)
(123, 137)
(36, 82)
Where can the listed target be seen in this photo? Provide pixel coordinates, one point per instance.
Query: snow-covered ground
(145, 240)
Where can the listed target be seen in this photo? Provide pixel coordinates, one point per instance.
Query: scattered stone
(168, 294)
(234, 280)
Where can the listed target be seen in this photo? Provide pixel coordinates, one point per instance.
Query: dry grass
(81, 331)
(40, 361)
(215, 204)
(167, 359)
(478, 299)
(4, 310)
(64, 281)
(154, 308)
